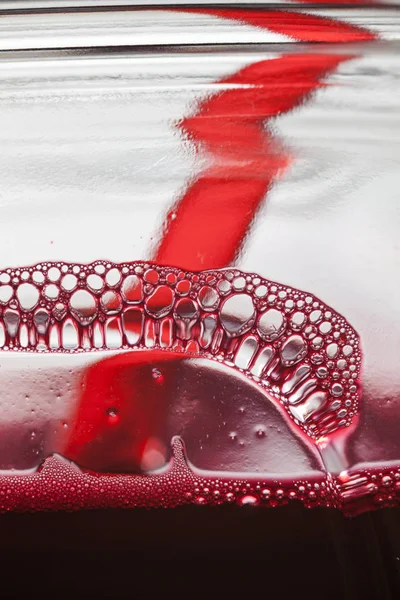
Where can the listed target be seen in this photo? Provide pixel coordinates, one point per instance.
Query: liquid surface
(199, 290)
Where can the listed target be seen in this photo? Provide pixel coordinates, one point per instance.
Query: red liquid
(302, 356)
(280, 346)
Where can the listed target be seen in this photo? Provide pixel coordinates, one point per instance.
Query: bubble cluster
(301, 352)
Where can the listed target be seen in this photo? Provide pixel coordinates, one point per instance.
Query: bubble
(208, 298)
(151, 276)
(332, 350)
(95, 283)
(83, 306)
(156, 374)
(38, 277)
(54, 274)
(261, 291)
(248, 500)
(132, 289)
(260, 431)
(69, 282)
(113, 277)
(293, 350)
(111, 302)
(325, 327)
(322, 372)
(4, 278)
(224, 286)
(298, 320)
(6, 293)
(237, 314)
(337, 389)
(239, 283)
(28, 296)
(41, 318)
(159, 303)
(100, 269)
(51, 291)
(59, 311)
(11, 321)
(310, 332)
(317, 343)
(271, 324)
(186, 309)
(315, 316)
(289, 304)
(183, 287)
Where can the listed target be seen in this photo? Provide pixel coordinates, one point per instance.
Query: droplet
(237, 314)
(271, 324)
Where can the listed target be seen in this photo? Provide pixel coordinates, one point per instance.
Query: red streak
(207, 227)
(122, 406)
(300, 26)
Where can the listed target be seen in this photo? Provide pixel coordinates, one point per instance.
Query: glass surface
(199, 288)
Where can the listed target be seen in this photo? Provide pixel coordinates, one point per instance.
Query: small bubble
(248, 500)
(260, 432)
(157, 375)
